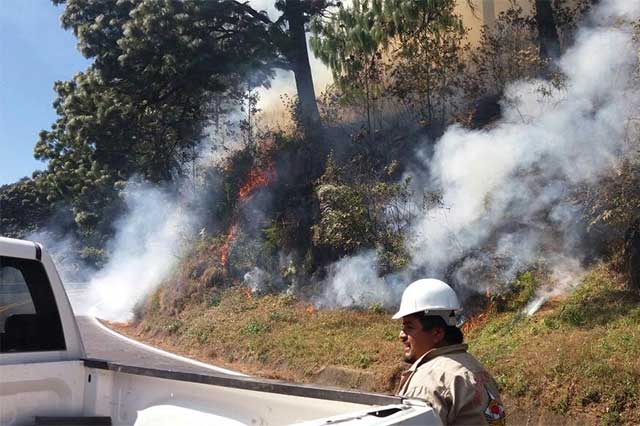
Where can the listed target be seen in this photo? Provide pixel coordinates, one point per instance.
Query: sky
(35, 51)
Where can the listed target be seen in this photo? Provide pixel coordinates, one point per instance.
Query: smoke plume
(504, 189)
(149, 241)
(354, 282)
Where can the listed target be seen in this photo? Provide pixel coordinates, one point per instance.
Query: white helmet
(431, 296)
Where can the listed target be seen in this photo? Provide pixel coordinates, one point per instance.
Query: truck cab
(36, 319)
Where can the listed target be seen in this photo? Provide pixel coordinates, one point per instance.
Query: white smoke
(519, 172)
(149, 241)
(572, 135)
(627, 10)
(565, 276)
(256, 279)
(63, 249)
(353, 282)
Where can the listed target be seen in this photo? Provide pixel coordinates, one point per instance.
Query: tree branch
(251, 11)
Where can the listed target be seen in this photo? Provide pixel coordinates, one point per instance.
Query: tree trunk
(298, 57)
(548, 38)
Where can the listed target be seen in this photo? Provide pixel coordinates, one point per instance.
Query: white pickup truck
(46, 379)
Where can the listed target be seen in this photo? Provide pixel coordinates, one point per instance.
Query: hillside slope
(576, 361)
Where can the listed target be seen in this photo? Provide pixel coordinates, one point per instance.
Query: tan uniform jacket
(456, 385)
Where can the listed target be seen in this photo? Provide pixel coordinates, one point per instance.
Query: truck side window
(29, 318)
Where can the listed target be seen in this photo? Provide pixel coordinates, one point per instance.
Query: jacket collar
(436, 352)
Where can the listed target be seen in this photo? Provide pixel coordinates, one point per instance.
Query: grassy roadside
(279, 337)
(577, 361)
(579, 355)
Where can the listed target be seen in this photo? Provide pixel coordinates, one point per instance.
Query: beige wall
(485, 12)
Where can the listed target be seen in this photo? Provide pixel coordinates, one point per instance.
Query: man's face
(417, 341)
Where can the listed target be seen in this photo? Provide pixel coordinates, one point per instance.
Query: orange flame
(473, 322)
(258, 177)
(224, 250)
(248, 293)
(310, 309)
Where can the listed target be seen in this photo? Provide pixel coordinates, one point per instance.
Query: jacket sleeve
(434, 394)
(466, 397)
(439, 403)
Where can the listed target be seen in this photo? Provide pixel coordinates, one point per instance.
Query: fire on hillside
(257, 178)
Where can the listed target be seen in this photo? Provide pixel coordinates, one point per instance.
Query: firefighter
(443, 373)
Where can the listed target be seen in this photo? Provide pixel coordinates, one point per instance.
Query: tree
(23, 208)
(164, 61)
(279, 43)
(141, 107)
(356, 40)
(507, 51)
(297, 14)
(427, 71)
(548, 38)
(288, 35)
(350, 43)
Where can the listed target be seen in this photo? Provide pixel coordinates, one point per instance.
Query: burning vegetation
(258, 177)
(510, 169)
(224, 250)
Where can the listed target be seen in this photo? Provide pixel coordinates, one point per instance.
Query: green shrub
(515, 295)
(361, 209)
(255, 327)
(214, 299)
(174, 326)
(344, 222)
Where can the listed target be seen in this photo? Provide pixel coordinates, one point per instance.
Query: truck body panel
(32, 389)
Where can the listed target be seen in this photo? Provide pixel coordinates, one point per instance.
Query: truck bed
(135, 395)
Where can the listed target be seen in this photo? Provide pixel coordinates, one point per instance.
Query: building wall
(485, 12)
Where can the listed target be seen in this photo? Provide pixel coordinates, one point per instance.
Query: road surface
(101, 343)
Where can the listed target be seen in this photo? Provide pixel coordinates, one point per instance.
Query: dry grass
(575, 361)
(580, 355)
(279, 337)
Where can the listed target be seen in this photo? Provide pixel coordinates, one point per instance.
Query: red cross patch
(494, 413)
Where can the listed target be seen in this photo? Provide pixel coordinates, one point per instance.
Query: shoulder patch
(494, 413)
